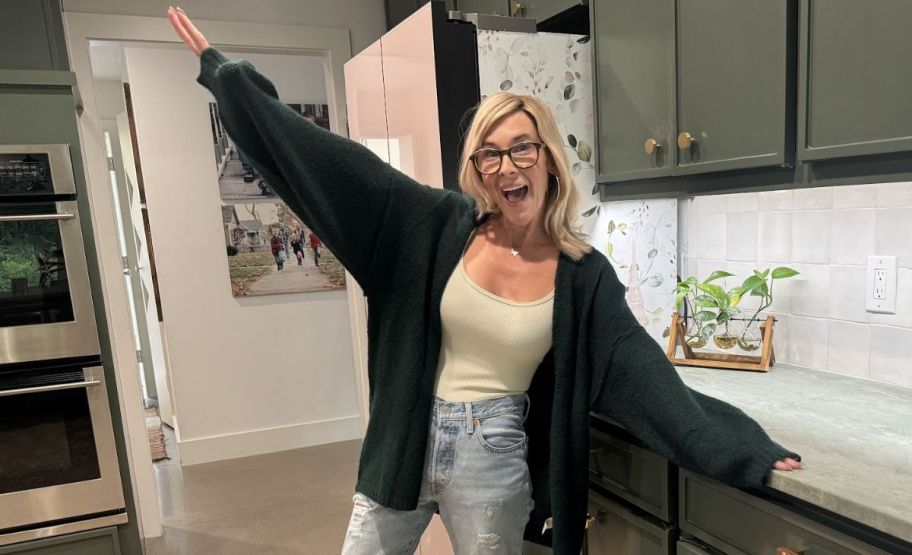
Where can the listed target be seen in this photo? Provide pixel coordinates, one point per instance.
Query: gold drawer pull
(787, 551)
(593, 519)
(651, 146)
(685, 140)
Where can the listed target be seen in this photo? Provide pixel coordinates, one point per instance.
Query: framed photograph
(269, 249)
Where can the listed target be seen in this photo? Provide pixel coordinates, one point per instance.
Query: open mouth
(516, 194)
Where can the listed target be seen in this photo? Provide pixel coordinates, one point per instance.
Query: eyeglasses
(523, 155)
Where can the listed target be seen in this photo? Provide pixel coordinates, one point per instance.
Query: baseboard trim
(268, 440)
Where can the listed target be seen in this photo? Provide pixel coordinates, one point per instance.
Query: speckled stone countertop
(854, 437)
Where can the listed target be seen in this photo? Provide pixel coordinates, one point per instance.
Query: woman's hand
(187, 31)
(787, 464)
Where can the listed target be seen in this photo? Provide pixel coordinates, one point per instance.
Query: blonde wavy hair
(562, 202)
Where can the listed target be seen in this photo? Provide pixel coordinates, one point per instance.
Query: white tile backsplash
(775, 200)
(854, 196)
(819, 198)
(847, 294)
(852, 236)
(713, 236)
(826, 234)
(893, 231)
(811, 236)
(894, 194)
(741, 202)
(849, 345)
(808, 341)
(774, 236)
(742, 236)
(810, 290)
(891, 351)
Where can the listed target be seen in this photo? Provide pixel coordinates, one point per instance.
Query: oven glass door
(45, 302)
(57, 454)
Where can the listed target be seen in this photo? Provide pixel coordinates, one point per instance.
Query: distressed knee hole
(489, 541)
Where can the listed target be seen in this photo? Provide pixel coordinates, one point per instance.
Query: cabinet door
(633, 64)
(854, 77)
(617, 530)
(733, 86)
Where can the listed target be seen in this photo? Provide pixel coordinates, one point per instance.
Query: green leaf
(715, 292)
(751, 283)
(704, 316)
(708, 330)
(706, 300)
(716, 275)
(783, 272)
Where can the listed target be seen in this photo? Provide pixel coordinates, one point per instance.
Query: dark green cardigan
(401, 241)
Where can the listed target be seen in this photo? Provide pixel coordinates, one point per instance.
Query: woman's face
(519, 193)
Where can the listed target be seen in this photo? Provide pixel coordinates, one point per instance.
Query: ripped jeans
(475, 474)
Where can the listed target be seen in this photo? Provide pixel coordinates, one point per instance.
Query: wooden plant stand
(760, 363)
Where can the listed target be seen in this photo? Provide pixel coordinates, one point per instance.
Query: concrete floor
(293, 502)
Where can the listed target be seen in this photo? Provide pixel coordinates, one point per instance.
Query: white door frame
(329, 42)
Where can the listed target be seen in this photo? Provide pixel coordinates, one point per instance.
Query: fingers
(178, 25)
(787, 464)
(198, 39)
(187, 32)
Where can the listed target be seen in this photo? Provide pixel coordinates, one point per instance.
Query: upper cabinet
(854, 78)
(733, 88)
(634, 59)
(692, 86)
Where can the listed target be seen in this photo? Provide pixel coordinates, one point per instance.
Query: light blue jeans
(475, 474)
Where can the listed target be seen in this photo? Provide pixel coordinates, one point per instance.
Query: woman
(494, 329)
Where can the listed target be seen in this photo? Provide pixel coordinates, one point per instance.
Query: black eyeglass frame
(508, 151)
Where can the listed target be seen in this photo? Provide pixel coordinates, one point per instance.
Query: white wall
(249, 375)
(297, 78)
(365, 18)
(826, 234)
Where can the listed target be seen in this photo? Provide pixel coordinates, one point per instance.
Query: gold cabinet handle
(651, 146)
(685, 140)
(787, 551)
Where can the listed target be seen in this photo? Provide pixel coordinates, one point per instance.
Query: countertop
(854, 437)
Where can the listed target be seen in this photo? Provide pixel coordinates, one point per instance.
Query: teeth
(518, 187)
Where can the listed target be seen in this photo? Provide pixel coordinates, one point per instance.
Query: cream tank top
(491, 346)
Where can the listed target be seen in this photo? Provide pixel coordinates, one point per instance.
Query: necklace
(513, 252)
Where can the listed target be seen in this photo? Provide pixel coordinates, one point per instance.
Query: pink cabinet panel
(364, 98)
(410, 84)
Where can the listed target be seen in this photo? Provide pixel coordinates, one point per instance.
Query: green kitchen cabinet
(686, 87)
(95, 542)
(633, 50)
(734, 84)
(854, 78)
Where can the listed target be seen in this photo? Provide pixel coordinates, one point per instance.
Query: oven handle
(44, 388)
(36, 217)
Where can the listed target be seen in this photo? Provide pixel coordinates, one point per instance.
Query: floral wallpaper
(640, 238)
(555, 68)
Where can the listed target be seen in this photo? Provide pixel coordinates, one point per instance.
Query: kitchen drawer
(688, 548)
(632, 473)
(617, 530)
(95, 542)
(738, 523)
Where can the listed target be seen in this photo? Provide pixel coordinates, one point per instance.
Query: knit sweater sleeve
(343, 191)
(634, 384)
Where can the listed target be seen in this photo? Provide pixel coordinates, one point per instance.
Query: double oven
(58, 460)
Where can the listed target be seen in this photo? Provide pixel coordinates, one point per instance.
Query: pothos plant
(712, 306)
(709, 303)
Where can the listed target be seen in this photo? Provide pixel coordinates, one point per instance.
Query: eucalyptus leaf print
(569, 90)
(506, 85)
(584, 151)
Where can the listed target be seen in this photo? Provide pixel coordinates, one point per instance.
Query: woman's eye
(522, 148)
(489, 154)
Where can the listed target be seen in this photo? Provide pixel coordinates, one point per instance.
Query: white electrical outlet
(880, 289)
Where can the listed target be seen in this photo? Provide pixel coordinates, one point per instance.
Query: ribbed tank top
(491, 346)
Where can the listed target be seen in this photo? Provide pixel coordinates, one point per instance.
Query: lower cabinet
(103, 541)
(615, 529)
(738, 523)
(691, 548)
